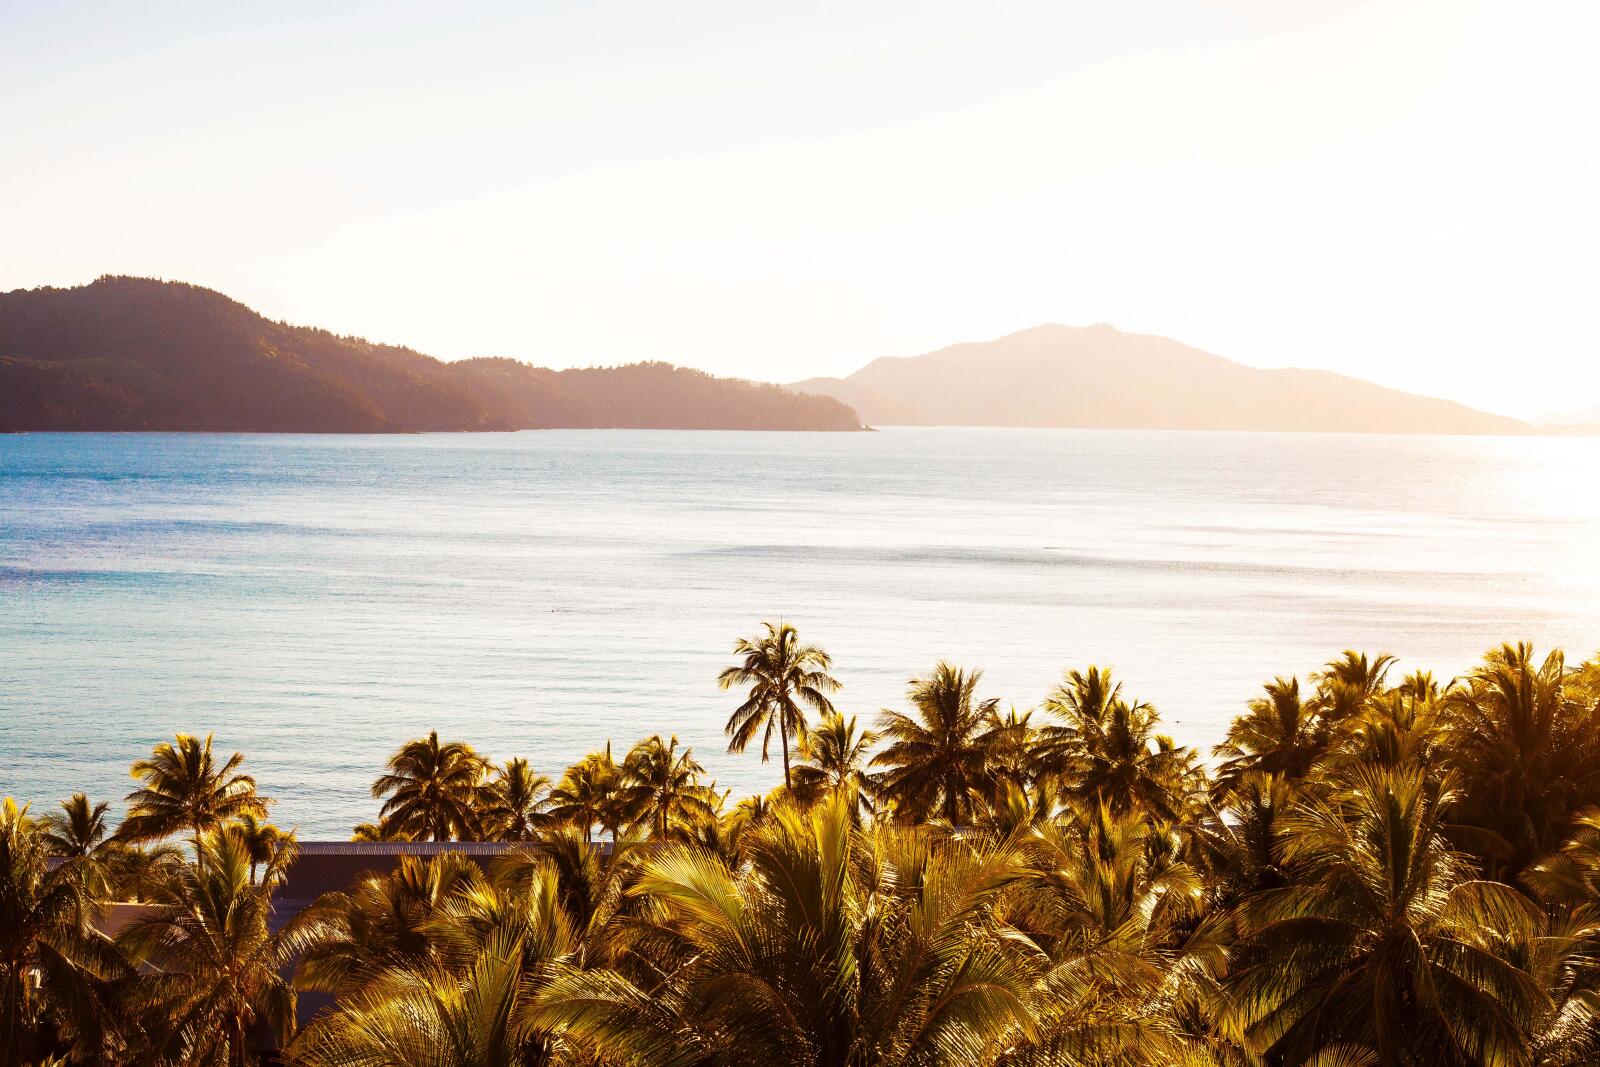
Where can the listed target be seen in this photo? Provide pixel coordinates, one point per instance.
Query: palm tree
(1110, 904)
(381, 923)
(1356, 670)
(1383, 939)
(662, 789)
(1347, 683)
(185, 789)
(52, 961)
(432, 790)
(1280, 734)
(589, 794)
(80, 831)
(497, 944)
(1108, 750)
(434, 1017)
(514, 802)
(936, 760)
(785, 677)
(1526, 752)
(260, 840)
(214, 968)
(834, 755)
(830, 944)
(1236, 844)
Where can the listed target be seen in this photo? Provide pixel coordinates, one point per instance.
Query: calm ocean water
(317, 600)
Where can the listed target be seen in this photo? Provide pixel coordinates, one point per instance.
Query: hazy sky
(1408, 192)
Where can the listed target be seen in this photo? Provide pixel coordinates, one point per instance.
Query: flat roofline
(406, 848)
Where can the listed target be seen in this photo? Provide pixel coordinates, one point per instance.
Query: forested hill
(139, 354)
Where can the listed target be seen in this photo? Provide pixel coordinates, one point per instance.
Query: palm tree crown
(186, 789)
(514, 802)
(936, 759)
(662, 788)
(835, 755)
(785, 677)
(432, 789)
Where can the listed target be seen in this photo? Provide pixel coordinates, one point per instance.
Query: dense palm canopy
(1384, 938)
(1523, 741)
(784, 678)
(52, 961)
(829, 944)
(1381, 873)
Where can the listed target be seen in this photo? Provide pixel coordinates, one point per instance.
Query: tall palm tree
(834, 755)
(1279, 734)
(432, 789)
(1383, 939)
(184, 788)
(514, 802)
(785, 677)
(52, 961)
(937, 758)
(1108, 750)
(662, 788)
(589, 794)
(830, 944)
(214, 967)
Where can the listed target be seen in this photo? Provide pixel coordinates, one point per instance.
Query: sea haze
(317, 600)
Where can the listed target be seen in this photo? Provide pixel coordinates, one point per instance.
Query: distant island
(1100, 377)
(140, 354)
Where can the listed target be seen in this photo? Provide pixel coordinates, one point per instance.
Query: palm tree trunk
(13, 1013)
(783, 730)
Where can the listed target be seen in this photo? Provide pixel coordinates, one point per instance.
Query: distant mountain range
(1097, 376)
(139, 354)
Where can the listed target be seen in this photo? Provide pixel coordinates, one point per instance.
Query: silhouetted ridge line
(141, 354)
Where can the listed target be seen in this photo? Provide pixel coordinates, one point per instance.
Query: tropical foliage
(1363, 871)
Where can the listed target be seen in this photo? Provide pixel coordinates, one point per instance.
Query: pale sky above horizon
(1407, 192)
